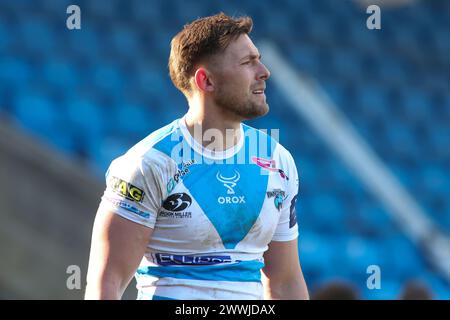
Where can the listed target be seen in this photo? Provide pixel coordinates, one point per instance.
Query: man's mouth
(258, 91)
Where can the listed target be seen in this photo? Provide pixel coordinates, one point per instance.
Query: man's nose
(264, 73)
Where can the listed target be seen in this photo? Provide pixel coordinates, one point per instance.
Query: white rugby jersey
(213, 213)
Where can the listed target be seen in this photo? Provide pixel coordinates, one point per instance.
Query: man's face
(239, 80)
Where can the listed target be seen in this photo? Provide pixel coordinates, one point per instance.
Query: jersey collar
(208, 153)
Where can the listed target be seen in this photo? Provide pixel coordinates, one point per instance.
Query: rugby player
(192, 219)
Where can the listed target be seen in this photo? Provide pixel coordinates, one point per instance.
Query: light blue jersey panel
(231, 207)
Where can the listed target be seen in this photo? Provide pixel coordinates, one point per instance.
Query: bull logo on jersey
(229, 182)
(269, 164)
(177, 202)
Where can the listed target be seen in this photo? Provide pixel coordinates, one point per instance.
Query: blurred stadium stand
(92, 93)
(46, 218)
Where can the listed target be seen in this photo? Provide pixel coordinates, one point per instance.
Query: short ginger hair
(200, 40)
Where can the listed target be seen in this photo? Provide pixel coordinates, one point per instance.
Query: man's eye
(246, 62)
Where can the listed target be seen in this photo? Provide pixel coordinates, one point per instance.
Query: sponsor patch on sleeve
(127, 206)
(126, 189)
(293, 214)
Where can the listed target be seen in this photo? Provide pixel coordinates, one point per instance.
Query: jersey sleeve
(287, 228)
(133, 190)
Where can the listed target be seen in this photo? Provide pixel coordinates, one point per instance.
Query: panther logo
(177, 202)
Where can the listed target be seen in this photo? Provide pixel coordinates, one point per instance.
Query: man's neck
(214, 129)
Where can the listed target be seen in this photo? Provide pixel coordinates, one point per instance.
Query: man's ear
(203, 80)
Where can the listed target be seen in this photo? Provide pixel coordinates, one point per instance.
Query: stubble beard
(244, 108)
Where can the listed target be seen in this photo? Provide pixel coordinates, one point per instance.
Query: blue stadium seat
(435, 179)
(404, 260)
(85, 42)
(401, 140)
(336, 91)
(151, 82)
(5, 36)
(358, 253)
(15, 5)
(61, 74)
(86, 117)
(109, 148)
(147, 13)
(36, 112)
(125, 41)
(108, 79)
(439, 140)
(63, 141)
(305, 59)
(391, 70)
(180, 11)
(370, 220)
(36, 35)
(337, 172)
(440, 37)
(105, 9)
(14, 71)
(356, 34)
(415, 104)
(346, 64)
(406, 175)
(319, 29)
(372, 100)
(54, 8)
(328, 211)
(318, 251)
(131, 119)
